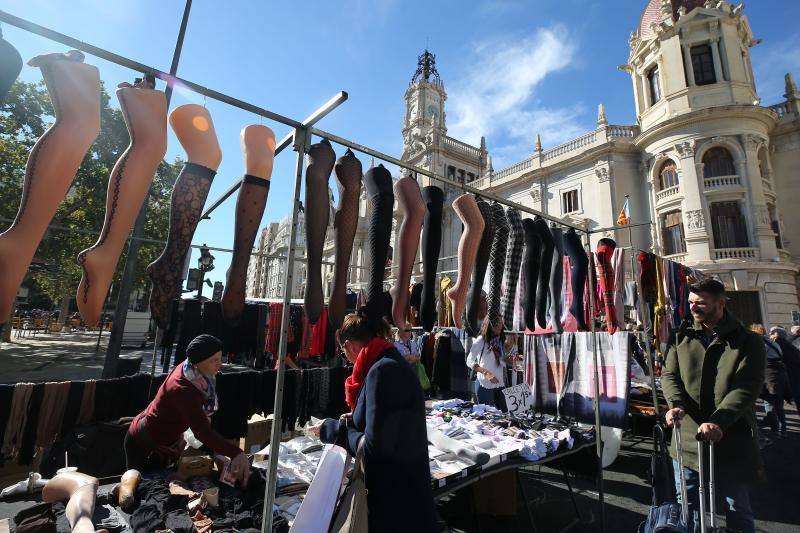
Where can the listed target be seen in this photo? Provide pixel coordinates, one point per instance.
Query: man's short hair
(708, 286)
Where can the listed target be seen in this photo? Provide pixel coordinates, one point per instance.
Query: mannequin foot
(232, 300)
(44, 59)
(398, 318)
(93, 287)
(457, 303)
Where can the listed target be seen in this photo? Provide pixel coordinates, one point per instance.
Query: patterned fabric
(273, 327)
(605, 271)
(445, 305)
(618, 260)
(497, 261)
(513, 265)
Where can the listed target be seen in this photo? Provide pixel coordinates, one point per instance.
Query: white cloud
(498, 95)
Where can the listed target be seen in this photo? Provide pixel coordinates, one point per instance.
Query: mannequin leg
(578, 269)
(10, 67)
(409, 199)
(320, 160)
(466, 207)
(481, 263)
(545, 265)
(530, 272)
(497, 262)
(195, 131)
(513, 265)
(431, 246)
(605, 270)
(345, 223)
(378, 182)
(258, 148)
(145, 114)
(81, 490)
(74, 89)
(556, 279)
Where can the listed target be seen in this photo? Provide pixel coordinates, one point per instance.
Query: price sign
(518, 398)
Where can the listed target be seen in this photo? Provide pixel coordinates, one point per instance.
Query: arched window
(668, 175)
(718, 162)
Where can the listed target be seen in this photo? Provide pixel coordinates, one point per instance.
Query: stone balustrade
(667, 193)
(464, 148)
(736, 253)
(781, 109)
(721, 182)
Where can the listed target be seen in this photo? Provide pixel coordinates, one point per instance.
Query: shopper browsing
(713, 376)
(487, 359)
(388, 413)
(407, 346)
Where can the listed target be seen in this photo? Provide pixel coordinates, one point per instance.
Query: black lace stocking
(321, 158)
(530, 272)
(497, 262)
(378, 182)
(516, 241)
(431, 246)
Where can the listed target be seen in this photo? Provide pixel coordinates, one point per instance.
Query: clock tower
(423, 127)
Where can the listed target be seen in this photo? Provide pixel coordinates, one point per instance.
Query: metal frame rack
(300, 141)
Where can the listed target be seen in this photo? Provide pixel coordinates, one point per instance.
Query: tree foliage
(24, 117)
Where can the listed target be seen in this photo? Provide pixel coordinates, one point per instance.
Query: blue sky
(511, 68)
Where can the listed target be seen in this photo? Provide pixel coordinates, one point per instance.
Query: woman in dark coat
(389, 414)
(776, 383)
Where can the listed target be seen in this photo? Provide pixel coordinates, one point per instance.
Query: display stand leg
(598, 435)
(569, 488)
(524, 494)
(300, 145)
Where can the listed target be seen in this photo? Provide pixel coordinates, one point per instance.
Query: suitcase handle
(711, 496)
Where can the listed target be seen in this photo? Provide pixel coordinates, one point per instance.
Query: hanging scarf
(367, 357)
(497, 349)
(211, 403)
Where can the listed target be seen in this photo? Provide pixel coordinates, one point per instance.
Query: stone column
(695, 217)
(687, 61)
(758, 213)
(717, 60)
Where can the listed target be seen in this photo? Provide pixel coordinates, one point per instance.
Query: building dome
(652, 13)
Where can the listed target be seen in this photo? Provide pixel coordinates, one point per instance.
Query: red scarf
(367, 357)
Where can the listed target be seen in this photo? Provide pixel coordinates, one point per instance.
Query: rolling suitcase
(710, 521)
(668, 517)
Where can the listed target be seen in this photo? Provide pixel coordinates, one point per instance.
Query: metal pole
(597, 427)
(300, 145)
(126, 285)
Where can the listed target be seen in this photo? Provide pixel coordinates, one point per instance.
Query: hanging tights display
(545, 266)
(258, 149)
(605, 271)
(481, 263)
(497, 262)
(74, 90)
(516, 241)
(530, 272)
(409, 200)
(466, 207)
(10, 66)
(431, 246)
(578, 270)
(378, 183)
(145, 114)
(345, 223)
(320, 161)
(186, 204)
(556, 279)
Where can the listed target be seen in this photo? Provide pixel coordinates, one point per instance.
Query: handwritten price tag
(518, 398)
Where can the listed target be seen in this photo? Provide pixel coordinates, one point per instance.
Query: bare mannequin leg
(145, 113)
(378, 182)
(433, 197)
(258, 149)
(320, 161)
(345, 223)
(497, 263)
(481, 264)
(467, 210)
(193, 126)
(409, 199)
(74, 89)
(81, 490)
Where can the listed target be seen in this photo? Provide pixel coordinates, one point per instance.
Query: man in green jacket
(713, 375)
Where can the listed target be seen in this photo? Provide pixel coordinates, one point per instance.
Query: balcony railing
(570, 146)
(721, 182)
(736, 253)
(781, 109)
(623, 131)
(462, 147)
(666, 193)
(678, 258)
(513, 169)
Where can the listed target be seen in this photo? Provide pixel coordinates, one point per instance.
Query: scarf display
(496, 346)
(367, 357)
(211, 403)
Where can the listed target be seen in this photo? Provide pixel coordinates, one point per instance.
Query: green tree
(23, 119)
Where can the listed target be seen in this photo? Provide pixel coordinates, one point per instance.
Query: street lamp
(205, 263)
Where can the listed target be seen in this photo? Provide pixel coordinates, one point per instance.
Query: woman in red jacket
(186, 399)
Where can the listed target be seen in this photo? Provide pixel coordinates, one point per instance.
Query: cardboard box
(259, 431)
(193, 464)
(497, 494)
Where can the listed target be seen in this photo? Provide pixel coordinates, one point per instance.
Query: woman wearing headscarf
(388, 415)
(186, 400)
(488, 359)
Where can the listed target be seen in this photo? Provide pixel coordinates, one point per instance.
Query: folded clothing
(445, 443)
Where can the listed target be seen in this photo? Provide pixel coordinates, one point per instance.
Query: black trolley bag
(666, 515)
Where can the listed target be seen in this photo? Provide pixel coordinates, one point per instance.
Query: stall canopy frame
(300, 140)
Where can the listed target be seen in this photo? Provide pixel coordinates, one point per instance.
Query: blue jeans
(736, 495)
(492, 397)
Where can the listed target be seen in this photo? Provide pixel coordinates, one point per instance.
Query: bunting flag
(624, 217)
